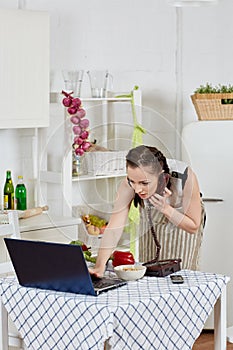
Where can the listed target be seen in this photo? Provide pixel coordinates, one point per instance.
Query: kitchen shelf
(106, 99)
(83, 189)
(99, 177)
(56, 96)
(55, 177)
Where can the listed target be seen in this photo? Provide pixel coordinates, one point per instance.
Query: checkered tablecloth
(151, 313)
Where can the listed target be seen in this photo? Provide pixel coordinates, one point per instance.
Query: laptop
(55, 266)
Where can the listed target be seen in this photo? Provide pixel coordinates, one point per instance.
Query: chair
(9, 336)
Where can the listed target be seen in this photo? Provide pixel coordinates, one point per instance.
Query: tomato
(102, 228)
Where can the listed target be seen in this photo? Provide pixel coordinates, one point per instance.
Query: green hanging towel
(137, 140)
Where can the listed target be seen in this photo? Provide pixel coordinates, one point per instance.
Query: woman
(173, 218)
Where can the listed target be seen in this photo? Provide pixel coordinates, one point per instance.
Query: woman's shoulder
(125, 195)
(124, 189)
(176, 165)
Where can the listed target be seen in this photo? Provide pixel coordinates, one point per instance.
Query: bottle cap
(20, 177)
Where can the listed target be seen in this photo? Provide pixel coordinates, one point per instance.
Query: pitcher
(99, 82)
(73, 80)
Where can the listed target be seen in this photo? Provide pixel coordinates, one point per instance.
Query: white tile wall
(164, 50)
(17, 154)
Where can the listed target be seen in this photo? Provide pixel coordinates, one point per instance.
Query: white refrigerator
(208, 147)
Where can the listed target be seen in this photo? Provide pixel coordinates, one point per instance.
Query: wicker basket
(211, 106)
(106, 163)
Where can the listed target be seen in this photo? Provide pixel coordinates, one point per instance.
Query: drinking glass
(73, 81)
(99, 82)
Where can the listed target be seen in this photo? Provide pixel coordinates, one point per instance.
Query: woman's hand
(189, 217)
(160, 202)
(96, 271)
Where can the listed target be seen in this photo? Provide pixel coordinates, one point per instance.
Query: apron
(175, 242)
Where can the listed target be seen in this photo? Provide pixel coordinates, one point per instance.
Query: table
(151, 313)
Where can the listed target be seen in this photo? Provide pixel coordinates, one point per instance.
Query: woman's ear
(162, 183)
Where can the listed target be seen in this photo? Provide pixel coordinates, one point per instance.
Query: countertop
(45, 220)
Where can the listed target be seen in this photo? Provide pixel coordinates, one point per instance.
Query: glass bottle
(76, 168)
(21, 194)
(8, 192)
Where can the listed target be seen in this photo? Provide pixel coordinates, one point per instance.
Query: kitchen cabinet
(50, 228)
(24, 69)
(111, 124)
(45, 227)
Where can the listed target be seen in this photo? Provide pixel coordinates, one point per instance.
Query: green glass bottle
(20, 195)
(8, 192)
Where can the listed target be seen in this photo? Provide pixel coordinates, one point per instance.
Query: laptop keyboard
(104, 282)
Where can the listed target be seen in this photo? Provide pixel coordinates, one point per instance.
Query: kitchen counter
(45, 227)
(50, 228)
(45, 220)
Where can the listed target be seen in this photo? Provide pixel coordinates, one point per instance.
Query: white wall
(166, 51)
(18, 154)
(207, 51)
(137, 42)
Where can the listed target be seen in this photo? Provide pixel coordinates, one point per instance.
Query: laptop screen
(47, 265)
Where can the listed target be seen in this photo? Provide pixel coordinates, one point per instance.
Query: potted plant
(213, 102)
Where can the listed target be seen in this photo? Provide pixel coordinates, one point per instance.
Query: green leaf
(208, 88)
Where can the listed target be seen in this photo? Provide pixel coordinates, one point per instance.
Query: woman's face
(143, 182)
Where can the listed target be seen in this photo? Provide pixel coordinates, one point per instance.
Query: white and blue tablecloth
(151, 313)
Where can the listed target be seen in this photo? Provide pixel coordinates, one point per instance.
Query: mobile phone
(177, 279)
(162, 183)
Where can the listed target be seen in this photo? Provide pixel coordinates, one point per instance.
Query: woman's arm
(115, 227)
(190, 219)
